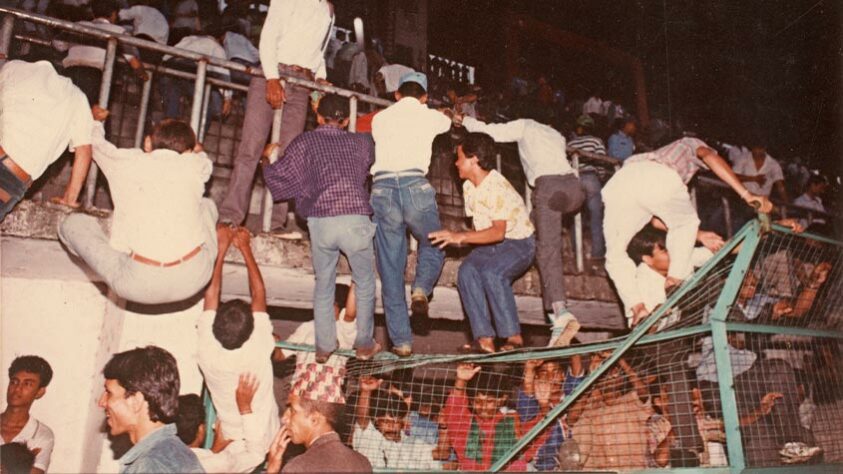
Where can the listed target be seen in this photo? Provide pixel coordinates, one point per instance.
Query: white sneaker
(565, 327)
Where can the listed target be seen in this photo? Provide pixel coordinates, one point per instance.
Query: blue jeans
(351, 235)
(402, 203)
(485, 280)
(594, 201)
(12, 190)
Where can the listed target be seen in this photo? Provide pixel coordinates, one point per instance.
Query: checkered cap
(319, 382)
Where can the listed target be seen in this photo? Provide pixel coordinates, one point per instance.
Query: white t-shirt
(36, 435)
(240, 455)
(147, 20)
(222, 368)
(815, 203)
(745, 165)
(41, 114)
(404, 133)
(409, 453)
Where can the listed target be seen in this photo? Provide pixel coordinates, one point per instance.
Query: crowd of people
(361, 193)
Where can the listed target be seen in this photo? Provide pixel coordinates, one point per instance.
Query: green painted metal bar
(788, 331)
(684, 470)
(807, 235)
(731, 420)
(638, 333)
(210, 418)
(798, 469)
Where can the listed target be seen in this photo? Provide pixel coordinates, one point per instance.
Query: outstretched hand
(247, 386)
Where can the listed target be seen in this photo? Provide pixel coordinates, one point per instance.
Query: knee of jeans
(467, 272)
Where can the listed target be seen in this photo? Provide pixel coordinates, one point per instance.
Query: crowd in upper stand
(360, 195)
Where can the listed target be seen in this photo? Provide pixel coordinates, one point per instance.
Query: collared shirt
(680, 156)
(614, 436)
(589, 144)
(41, 114)
(325, 170)
(542, 149)
(409, 453)
(157, 198)
(238, 46)
(621, 145)
(815, 203)
(91, 56)
(160, 451)
(210, 47)
(147, 20)
(744, 164)
(36, 435)
(222, 368)
(404, 133)
(295, 33)
(494, 199)
(241, 455)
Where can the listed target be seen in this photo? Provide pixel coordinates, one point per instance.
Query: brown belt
(298, 69)
(156, 263)
(17, 170)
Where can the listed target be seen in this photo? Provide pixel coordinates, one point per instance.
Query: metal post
(727, 216)
(105, 92)
(266, 224)
(203, 119)
(198, 93)
(6, 30)
(352, 113)
(578, 243)
(144, 109)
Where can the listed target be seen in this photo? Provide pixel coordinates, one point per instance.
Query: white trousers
(635, 194)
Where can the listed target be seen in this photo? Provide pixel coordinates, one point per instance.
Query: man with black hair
(141, 400)
(812, 199)
(590, 177)
(162, 242)
(504, 246)
(325, 170)
(622, 143)
(236, 337)
(28, 379)
(557, 192)
(16, 458)
(403, 199)
(191, 427)
(379, 430)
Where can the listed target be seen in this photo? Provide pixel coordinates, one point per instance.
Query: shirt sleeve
(83, 122)
(500, 132)
(346, 333)
(127, 13)
(776, 173)
(526, 406)
(272, 29)
(44, 441)
(284, 178)
(105, 153)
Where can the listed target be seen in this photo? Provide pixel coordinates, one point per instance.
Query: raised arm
(242, 241)
(212, 293)
(368, 384)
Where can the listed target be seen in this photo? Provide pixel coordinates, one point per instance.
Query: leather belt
(298, 69)
(156, 263)
(16, 170)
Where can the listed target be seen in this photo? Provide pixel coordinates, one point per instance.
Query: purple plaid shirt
(325, 170)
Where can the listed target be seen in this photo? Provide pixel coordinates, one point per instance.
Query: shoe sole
(571, 330)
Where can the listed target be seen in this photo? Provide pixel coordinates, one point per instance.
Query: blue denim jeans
(402, 203)
(485, 280)
(594, 201)
(12, 190)
(351, 235)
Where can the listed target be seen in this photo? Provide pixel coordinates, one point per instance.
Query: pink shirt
(680, 156)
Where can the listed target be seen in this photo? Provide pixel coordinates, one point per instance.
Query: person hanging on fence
(163, 241)
(325, 170)
(403, 199)
(651, 185)
(293, 40)
(42, 114)
(557, 193)
(236, 337)
(381, 417)
(504, 246)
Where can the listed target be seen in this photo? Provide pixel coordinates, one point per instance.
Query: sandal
(474, 348)
(513, 343)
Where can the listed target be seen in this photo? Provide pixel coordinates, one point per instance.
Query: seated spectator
(162, 243)
(28, 379)
(544, 386)
(591, 177)
(85, 61)
(16, 458)
(236, 337)
(622, 142)
(812, 199)
(379, 431)
(505, 246)
(312, 419)
(174, 89)
(478, 430)
(325, 170)
(141, 400)
(760, 173)
(147, 23)
(43, 113)
(191, 429)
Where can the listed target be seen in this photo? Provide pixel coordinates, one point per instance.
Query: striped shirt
(681, 156)
(589, 144)
(325, 170)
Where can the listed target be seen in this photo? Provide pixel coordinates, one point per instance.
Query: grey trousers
(136, 281)
(553, 197)
(256, 127)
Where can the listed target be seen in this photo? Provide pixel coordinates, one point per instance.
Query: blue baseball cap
(417, 77)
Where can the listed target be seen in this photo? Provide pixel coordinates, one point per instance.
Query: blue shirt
(160, 451)
(621, 145)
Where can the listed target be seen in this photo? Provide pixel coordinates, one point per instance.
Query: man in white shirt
(41, 114)
(403, 199)
(240, 49)
(760, 174)
(293, 41)
(163, 242)
(147, 23)
(28, 379)
(557, 192)
(234, 338)
(812, 199)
